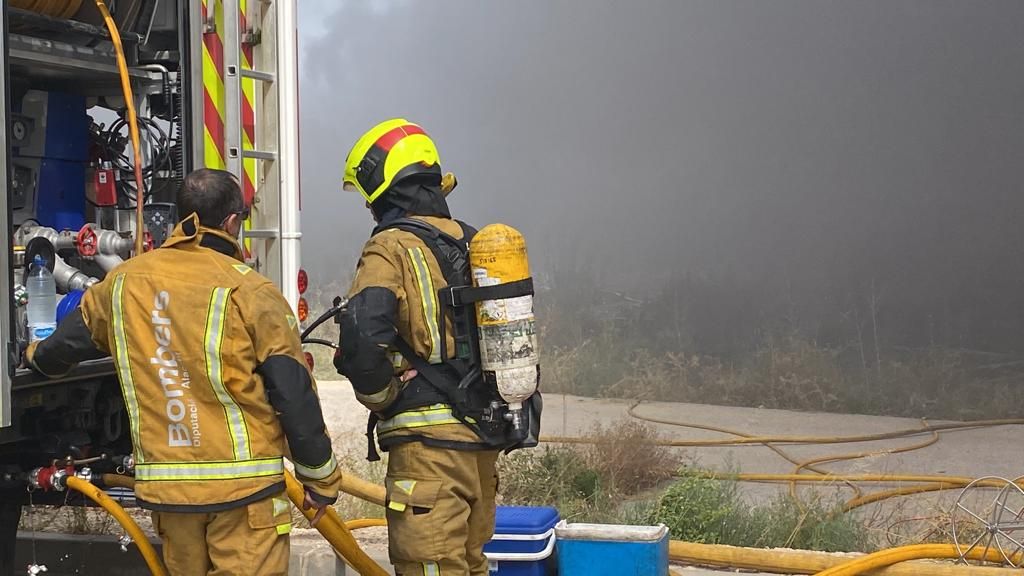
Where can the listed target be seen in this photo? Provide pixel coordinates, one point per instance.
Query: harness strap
(463, 295)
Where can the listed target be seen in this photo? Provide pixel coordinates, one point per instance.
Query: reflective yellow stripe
(124, 366)
(215, 318)
(431, 416)
(188, 471)
(427, 297)
(318, 473)
(282, 506)
(396, 506)
(431, 569)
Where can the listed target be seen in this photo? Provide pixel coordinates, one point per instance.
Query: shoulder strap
(452, 255)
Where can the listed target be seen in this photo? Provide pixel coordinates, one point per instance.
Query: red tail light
(309, 361)
(303, 281)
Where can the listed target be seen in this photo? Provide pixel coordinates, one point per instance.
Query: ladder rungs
(259, 154)
(258, 75)
(267, 233)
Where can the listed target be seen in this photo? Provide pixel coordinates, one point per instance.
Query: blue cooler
(523, 542)
(608, 549)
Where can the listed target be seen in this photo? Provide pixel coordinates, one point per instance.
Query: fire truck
(212, 83)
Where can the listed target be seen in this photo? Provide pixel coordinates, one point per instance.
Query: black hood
(414, 196)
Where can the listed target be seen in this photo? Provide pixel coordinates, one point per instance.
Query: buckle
(453, 295)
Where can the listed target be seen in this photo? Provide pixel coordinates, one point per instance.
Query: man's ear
(232, 225)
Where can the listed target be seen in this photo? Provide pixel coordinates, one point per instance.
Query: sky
(772, 142)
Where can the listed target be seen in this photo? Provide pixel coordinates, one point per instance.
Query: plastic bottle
(42, 301)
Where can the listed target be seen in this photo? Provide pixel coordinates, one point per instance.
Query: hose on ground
(334, 530)
(780, 561)
(117, 512)
(892, 556)
(365, 523)
(796, 439)
(831, 478)
(859, 499)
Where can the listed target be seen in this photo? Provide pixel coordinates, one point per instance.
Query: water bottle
(42, 301)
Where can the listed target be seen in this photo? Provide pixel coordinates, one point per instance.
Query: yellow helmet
(388, 152)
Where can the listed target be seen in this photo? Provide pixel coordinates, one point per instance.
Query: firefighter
(215, 385)
(441, 477)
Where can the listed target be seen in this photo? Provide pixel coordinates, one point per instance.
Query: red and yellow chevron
(214, 145)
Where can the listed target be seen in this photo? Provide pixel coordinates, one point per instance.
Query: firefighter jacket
(212, 373)
(394, 293)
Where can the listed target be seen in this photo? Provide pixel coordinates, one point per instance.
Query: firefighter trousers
(250, 540)
(440, 509)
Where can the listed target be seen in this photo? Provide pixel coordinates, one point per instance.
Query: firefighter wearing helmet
(403, 348)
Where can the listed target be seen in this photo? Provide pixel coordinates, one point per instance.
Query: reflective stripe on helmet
(124, 367)
(428, 300)
(190, 471)
(215, 319)
(430, 416)
(318, 473)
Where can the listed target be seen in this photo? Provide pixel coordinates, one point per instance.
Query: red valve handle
(147, 241)
(87, 241)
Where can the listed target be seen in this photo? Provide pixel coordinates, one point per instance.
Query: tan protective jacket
(400, 262)
(212, 373)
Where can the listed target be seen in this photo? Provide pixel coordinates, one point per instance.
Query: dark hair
(212, 194)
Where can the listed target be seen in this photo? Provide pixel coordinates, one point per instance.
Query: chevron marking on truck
(213, 105)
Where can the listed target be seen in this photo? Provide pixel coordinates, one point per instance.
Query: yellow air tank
(508, 335)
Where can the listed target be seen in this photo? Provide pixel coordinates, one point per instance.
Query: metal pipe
(67, 277)
(288, 151)
(108, 261)
(111, 243)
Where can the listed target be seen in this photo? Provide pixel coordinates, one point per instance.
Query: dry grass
(627, 459)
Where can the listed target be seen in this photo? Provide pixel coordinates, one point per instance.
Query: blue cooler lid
(524, 519)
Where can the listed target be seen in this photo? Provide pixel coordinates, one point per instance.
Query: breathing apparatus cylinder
(507, 331)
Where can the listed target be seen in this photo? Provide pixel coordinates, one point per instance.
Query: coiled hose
(99, 497)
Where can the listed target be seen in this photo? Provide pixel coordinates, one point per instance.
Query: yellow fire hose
(365, 523)
(362, 489)
(133, 124)
(917, 552)
(122, 517)
(332, 528)
(796, 439)
(807, 562)
(876, 478)
(935, 483)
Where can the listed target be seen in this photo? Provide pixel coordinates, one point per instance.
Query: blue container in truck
(609, 549)
(524, 541)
